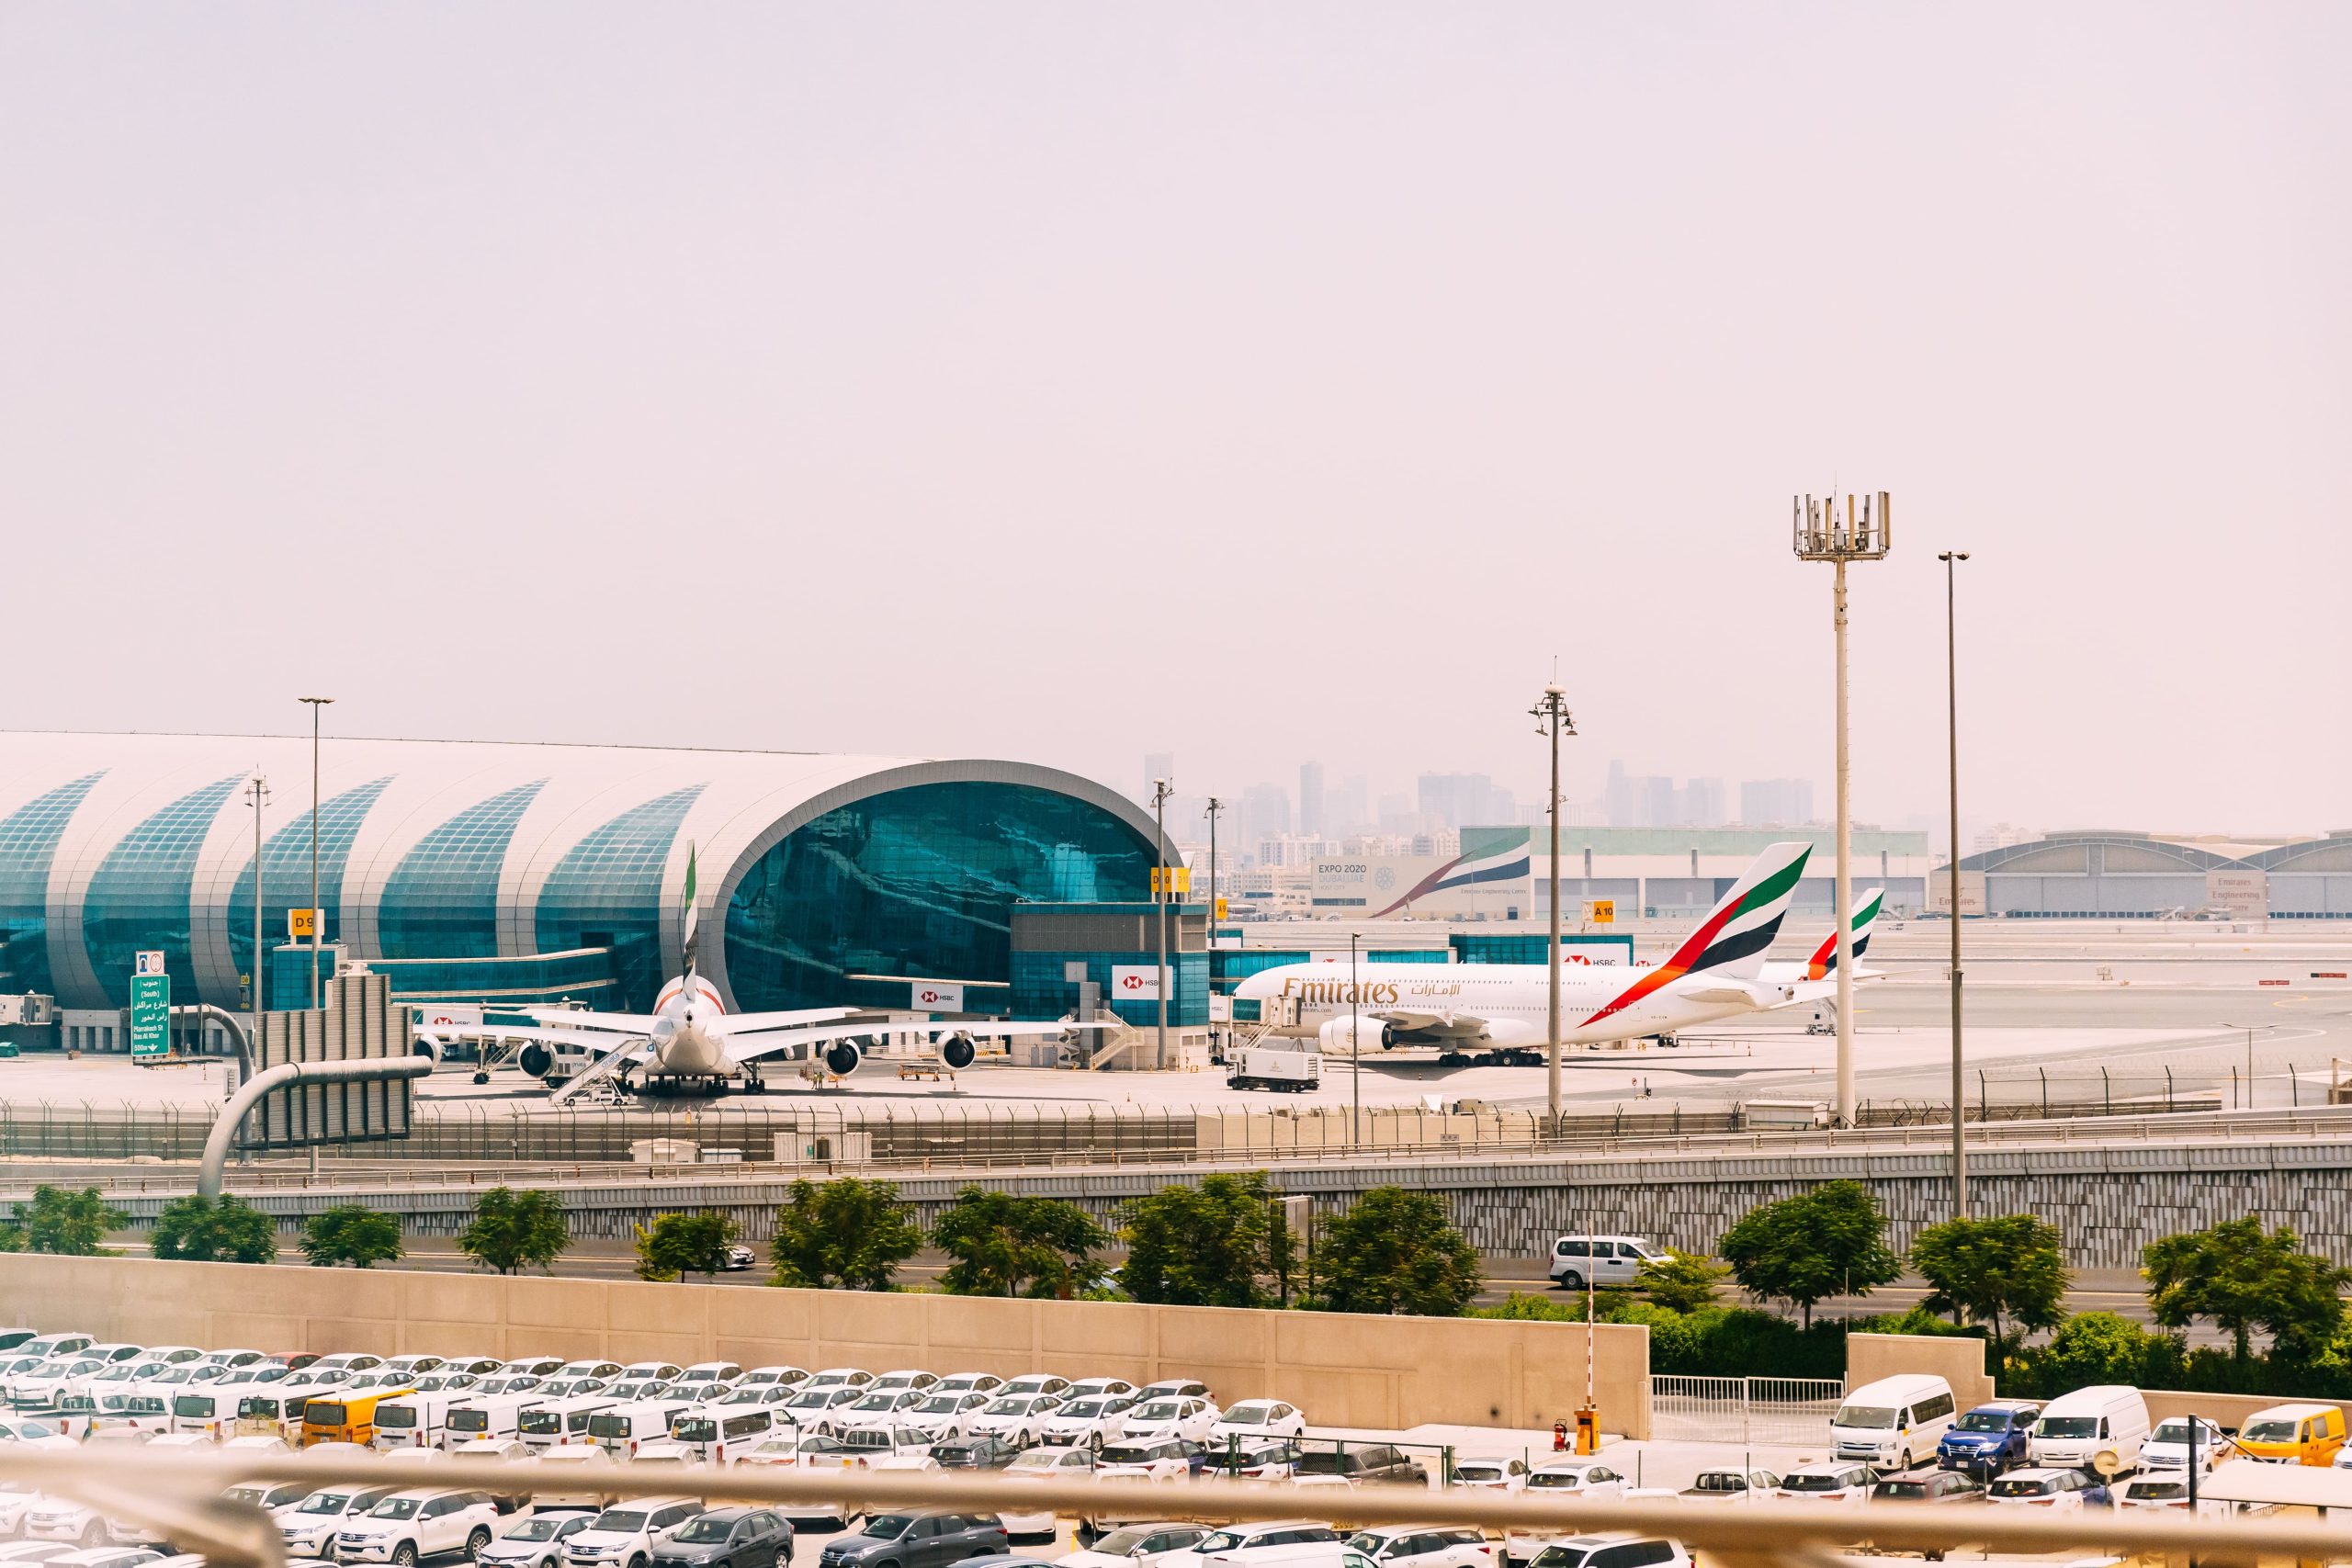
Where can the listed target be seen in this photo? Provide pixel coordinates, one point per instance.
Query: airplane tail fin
(1732, 938)
(691, 933)
(1824, 961)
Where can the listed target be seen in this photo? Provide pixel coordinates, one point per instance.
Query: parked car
(408, 1526)
(1930, 1486)
(2293, 1434)
(1142, 1546)
(1894, 1423)
(978, 1450)
(1837, 1481)
(916, 1537)
(535, 1540)
(1092, 1419)
(1253, 1459)
(728, 1538)
(2077, 1428)
(1155, 1459)
(309, 1526)
(2063, 1490)
(946, 1414)
(625, 1535)
(1015, 1417)
(1381, 1463)
(1259, 1418)
(1989, 1438)
(1041, 1464)
(1244, 1545)
(1187, 1417)
(2168, 1446)
(2162, 1489)
(1732, 1485)
(1424, 1546)
(1613, 1550)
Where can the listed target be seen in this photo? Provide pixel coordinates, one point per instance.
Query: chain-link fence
(987, 1132)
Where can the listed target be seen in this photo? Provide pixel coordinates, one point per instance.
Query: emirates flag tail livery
(1717, 972)
(690, 1042)
(1815, 980)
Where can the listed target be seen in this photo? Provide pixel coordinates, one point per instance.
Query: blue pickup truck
(1989, 1438)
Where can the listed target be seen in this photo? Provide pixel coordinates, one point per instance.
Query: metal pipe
(1952, 708)
(1845, 894)
(224, 1130)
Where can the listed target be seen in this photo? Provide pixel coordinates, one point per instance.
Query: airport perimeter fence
(982, 1132)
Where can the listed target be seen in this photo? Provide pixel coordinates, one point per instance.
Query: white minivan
(414, 1421)
(1894, 1423)
(1579, 1260)
(2077, 1428)
(496, 1416)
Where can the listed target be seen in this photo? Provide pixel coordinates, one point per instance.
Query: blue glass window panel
(919, 882)
(28, 839)
(442, 899)
(285, 880)
(139, 897)
(606, 891)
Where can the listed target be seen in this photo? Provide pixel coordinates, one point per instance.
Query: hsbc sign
(1134, 983)
(931, 996)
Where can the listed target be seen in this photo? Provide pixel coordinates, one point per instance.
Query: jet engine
(1343, 1036)
(536, 1059)
(841, 1058)
(957, 1050)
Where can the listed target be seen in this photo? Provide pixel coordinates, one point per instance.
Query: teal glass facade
(27, 847)
(917, 882)
(139, 897)
(286, 879)
(606, 893)
(442, 901)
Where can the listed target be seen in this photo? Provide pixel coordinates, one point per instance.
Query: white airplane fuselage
(1504, 1004)
(689, 1034)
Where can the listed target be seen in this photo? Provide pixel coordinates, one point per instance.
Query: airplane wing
(797, 1039)
(762, 1022)
(1824, 990)
(601, 1022)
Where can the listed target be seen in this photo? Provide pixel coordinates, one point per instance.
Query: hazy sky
(1257, 383)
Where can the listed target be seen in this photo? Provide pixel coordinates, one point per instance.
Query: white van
(492, 1415)
(1894, 1423)
(414, 1421)
(562, 1420)
(206, 1410)
(618, 1430)
(1579, 1260)
(713, 1433)
(2077, 1428)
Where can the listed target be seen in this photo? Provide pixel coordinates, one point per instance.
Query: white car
(1833, 1481)
(532, 1365)
(816, 1409)
(705, 1381)
(2168, 1446)
(1505, 1473)
(14, 1503)
(308, 1527)
(1425, 1546)
(1259, 1418)
(877, 1406)
(772, 1377)
(1580, 1478)
(1015, 1417)
(58, 1519)
(341, 1362)
(1095, 1388)
(2059, 1489)
(1191, 1419)
(1091, 1420)
(838, 1377)
(907, 1378)
(623, 1535)
(1254, 1459)
(1036, 1382)
(1141, 1546)
(1173, 1388)
(114, 1557)
(535, 1542)
(1237, 1545)
(1039, 1464)
(968, 1382)
(1154, 1458)
(1614, 1550)
(943, 1416)
(408, 1526)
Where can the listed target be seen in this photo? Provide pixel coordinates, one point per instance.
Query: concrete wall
(1345, 1370)
(1958, 1362)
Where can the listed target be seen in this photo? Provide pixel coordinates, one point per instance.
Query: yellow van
(345, 1418)
(2293, 1434)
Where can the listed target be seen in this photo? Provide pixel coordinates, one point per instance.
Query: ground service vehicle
(1284, 1072)
(1894, 1422)
(1581, 1260)
(2077, 1428)
(1990, 1438)
(2293, 1434)
(727, 1537)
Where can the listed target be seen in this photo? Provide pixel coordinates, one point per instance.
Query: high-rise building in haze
(1262, 812)
(1700, 804)
(1310, 798)
(1455, 800)
(1347, 807)
(1776, 802)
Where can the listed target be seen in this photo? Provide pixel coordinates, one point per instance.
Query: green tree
(2244, 1280)
(352, 1234)
(1680, 1282)
(1005, 1244)
(845, 1233)
(72, 1223)
(1211, 1244)
(513, 1230)
(11, 1236)
(2008, 1270)
(675, 1245)
(1394, 1251)
(197, 1229)
(1828, 1242)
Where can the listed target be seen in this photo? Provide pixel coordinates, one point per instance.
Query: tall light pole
(257, 792)
(1553, 720)
(1355, 1046)
(1951, 558)
(1159, 891)
(318, 920)
(1822, 533)
(1214, 807)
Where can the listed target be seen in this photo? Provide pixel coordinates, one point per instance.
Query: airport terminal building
(528, 872)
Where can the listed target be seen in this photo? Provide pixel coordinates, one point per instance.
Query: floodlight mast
(1861, 532)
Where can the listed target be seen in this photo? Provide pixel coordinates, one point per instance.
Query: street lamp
(1822, 533)
(1213, 808)
(318, 920)
(1160, 890)
(257, 792)
(1553, 720)
(1951, 711)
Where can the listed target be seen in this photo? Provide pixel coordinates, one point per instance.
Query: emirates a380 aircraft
(1718, 972)
(691, 1042)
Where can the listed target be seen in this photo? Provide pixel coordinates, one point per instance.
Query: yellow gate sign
(1604, 911)
(1171, 879)
(302, 924)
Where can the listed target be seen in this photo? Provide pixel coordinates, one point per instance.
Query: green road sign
(151, 1015)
